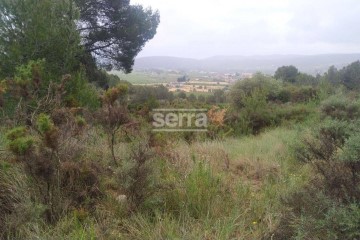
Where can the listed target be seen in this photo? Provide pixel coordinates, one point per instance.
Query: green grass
(211, 198)
(2, 139)
(230, 189)
(3, 145)
(147, 78)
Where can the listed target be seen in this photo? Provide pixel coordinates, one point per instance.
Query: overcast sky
(205, 28)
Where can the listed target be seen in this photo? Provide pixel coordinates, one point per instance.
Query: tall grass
(222, 189)
(230, 189)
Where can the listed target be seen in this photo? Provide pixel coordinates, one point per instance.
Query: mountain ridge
(313, 64)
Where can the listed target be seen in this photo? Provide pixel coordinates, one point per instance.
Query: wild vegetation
(79, 159)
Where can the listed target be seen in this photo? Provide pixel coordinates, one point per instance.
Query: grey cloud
(238, 27)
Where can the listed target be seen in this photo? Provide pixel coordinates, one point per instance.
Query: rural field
(144, 78)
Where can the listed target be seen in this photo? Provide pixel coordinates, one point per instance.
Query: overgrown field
(80, 160)
(228, 189)
(279, 161)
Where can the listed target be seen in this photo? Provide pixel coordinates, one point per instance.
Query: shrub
(343, 221)
(303, 94)
(16, 133)
(80, 93)
(136, 175)
(293, 113)
(315, 216)
(341, 108)
(115, 93)
(44, 123)
(323, 142)
(21, 146)
(297, 94)
(257, 115)
(284, 96)
(80, 185)
(351, 149)
(339, 169)
(113, 114)
(265, 85)
(19, 142)
(253, 116)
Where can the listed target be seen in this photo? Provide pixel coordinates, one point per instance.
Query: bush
(339, 169)
(297, 94)
(323, 141)
(26, 84)
(315, 216)
(328, 208)
(341, 108)
(291, 113)
(258, 115)
(303, 94)
(136, 175)
(16, 133)
(19, 142)
(21, 146)
(44, 123)
(351, 149)
(265, 85)
(80, 93)
(79, 184)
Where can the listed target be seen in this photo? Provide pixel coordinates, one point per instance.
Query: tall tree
(287, 73)
(114, 31)
(98, 33)
(350, 75)
(38, 29)
(333, 75)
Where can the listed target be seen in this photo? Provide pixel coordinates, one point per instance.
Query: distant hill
(268, 63)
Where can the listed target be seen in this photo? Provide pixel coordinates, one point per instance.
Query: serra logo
(180, 120)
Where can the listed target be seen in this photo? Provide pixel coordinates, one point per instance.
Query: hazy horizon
(204, 28)
(253, 55)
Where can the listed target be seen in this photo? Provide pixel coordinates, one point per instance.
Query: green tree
(333, 75)
(96, 33)
(305, 79)
(32, 30)
(114, 32)
(351, 75)
(287, 73)
(242, 89)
